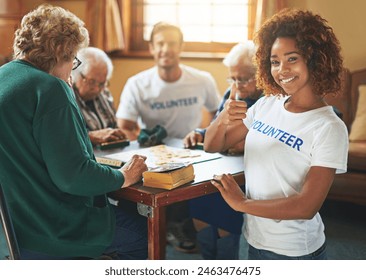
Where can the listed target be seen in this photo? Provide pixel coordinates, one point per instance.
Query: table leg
(157, 234)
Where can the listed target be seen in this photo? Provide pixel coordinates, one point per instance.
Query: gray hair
(241, 53)
(90, 56)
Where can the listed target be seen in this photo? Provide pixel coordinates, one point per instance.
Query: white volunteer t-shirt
(177, 106)
(280, 148)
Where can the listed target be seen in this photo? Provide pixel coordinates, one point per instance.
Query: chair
(8, 228)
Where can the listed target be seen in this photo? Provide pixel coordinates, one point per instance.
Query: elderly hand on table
(106, 135)
(133, 169)
(192, 139)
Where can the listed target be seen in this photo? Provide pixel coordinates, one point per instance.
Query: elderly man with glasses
(90, 83)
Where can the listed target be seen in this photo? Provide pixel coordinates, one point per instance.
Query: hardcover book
(168, 176)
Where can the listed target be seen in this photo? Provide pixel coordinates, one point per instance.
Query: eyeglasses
(92, 83)
(76, 63)
(240, 82)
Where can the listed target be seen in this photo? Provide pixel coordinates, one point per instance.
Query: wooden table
(152, 202)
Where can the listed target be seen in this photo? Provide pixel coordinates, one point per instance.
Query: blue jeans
(257, 254)
(214, 247)
(129, 243)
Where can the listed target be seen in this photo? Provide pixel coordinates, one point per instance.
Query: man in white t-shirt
(171, 95)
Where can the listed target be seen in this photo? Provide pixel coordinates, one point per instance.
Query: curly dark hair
(316, 42)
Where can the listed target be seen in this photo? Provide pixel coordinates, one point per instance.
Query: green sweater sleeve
(67, 152)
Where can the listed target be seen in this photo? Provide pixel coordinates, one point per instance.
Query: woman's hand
(234, 110)
(230, 190)
(228, 128)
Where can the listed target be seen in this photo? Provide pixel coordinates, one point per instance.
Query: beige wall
(349, 23)
(346, 17)
(75, 6)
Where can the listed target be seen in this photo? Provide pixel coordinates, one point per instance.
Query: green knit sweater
(54, 187)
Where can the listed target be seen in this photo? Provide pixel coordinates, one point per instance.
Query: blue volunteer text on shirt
(285, 137)
(184, 102)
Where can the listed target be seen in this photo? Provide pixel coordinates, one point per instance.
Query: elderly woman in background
(54, 187)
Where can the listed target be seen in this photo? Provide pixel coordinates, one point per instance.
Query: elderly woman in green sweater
(55, 189)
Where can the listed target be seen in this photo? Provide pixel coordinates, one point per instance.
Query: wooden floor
(345, 225)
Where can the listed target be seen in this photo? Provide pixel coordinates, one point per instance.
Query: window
(211, 26)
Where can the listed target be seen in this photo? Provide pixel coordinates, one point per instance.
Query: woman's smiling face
(288, 67)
